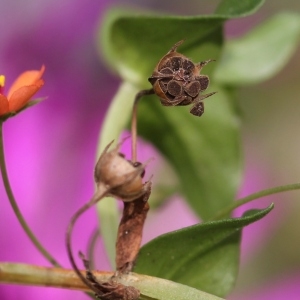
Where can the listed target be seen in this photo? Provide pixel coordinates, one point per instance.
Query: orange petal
(21, 96)
(3, 105)
(25, 79)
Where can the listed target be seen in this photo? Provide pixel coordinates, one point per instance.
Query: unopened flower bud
(120, 176)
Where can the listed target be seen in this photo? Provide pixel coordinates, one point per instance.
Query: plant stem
(132, 224)
(279, 189)
(100, 193)
(43, 276)
(138, 96)
(152, 288)
(91, 247)
(115, 121)
(15, 207)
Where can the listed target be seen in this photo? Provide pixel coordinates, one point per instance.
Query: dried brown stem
(115, 176)
(138, 96)
(130, 232)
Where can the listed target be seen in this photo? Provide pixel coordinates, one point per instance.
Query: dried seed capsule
(176, 81)
(120, 176)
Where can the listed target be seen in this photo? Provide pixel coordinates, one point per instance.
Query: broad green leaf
(135, 58)
(165, 183)
(161, 289)
(238, 8)
(132, 42)
(115, 121)
(111, 130)
(205, 152)
(261, 53)
(203, 256)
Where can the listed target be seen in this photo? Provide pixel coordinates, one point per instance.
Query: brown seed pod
(122, 177)
(176, 81)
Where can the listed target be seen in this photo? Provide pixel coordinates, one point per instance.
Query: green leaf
(134, 58)
(210, 145)
(203, 256)
(205, 152)
(238, 8)
(261, 53)
(132, 43)
(115, 121)
(161, 289)
(165, 183)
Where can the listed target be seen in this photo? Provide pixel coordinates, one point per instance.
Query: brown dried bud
(176, 81)
(121, 177)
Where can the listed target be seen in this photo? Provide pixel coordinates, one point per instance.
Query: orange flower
(21, 91)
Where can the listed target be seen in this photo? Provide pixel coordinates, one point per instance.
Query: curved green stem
(279, 189)
(15, 207)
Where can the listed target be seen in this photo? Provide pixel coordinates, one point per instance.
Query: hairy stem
(138, 96)
(279, 189)
(15, 207)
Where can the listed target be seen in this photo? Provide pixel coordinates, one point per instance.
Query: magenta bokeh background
(51, 148)
(53, 145)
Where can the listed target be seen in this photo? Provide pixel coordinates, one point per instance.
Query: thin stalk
(138, 96)
(279, 189)
(91, 247)
(15, 207)
(101, 192)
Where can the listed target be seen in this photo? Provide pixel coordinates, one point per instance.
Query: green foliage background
(210, 173)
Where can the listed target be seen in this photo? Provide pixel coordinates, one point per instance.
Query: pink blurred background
(51, 148)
